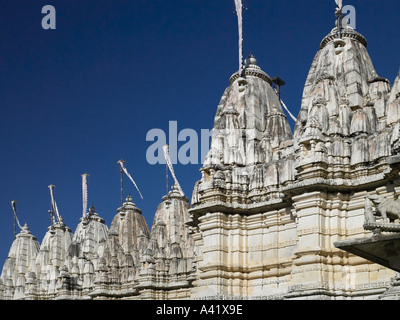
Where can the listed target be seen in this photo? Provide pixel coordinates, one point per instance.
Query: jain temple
(275, 214)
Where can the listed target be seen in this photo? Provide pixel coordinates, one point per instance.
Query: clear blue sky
(79, 98)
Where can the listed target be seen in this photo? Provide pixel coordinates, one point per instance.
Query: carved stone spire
(51, 256)
(83, 254)
(15, 272)
(169, 258)
(118, 266)
(250, 135)
(353, 115)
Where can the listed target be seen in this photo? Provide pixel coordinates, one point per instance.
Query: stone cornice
(346, 33)
(251, 72)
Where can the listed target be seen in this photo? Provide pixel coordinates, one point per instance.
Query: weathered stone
(23, 250)
(280, 232)
(268, 210)
(118, 270)
(49, 259)
(167, 265)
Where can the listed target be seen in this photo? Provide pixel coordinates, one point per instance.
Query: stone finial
(25, 229)
(129, 198)
(92, 210)
(128, 204)
(251, 61)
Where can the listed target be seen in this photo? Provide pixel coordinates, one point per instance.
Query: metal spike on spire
(239, 12)
(84, 194)
(16, 220)
(169, 164)
(54, 208)
(339, 15)
(123, 169)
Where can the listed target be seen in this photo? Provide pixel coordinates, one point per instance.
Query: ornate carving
(388, 209)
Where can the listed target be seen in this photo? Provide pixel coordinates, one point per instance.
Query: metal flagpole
(121, 162)
(239, 12)
(84, 194)
(13, 206)
(340, 16)
(169, 164)
(51, 210)
(123, 169)
(166, 174)
(54, 208)
(15, 212)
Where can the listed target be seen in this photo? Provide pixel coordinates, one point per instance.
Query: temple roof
(23, 249)
(131, 229)
(251, 141)
(249, 107)
(342, 71)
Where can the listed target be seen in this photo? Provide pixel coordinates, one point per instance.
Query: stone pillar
(212, 265)
(308, 277)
